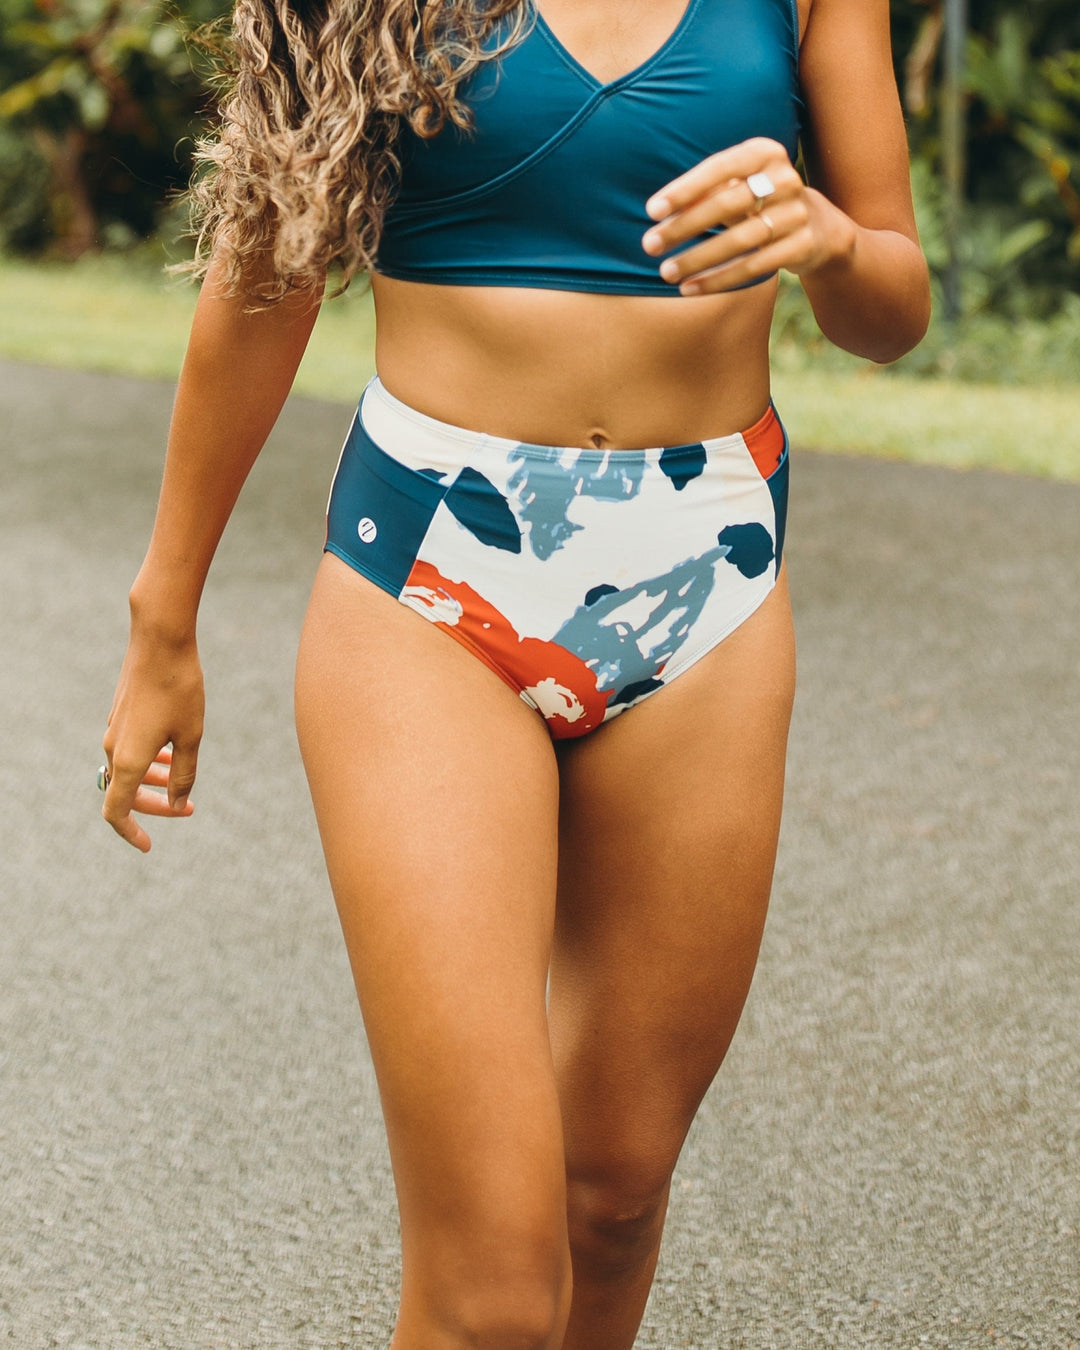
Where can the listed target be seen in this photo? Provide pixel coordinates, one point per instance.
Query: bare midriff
(569, 368)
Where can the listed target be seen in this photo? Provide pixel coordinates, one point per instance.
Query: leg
(436, 792)
(669, 823)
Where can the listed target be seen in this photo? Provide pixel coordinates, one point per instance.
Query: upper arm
(854, 141)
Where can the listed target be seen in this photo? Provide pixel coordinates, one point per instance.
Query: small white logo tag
(366, 530)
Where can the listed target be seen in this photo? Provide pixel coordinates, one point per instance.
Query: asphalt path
(191, 1154)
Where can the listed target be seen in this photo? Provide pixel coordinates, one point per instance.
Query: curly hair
(303, 162)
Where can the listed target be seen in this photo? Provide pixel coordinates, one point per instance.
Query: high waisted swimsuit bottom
(585, 579)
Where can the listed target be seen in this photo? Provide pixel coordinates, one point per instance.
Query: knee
(616, 1214)
(508, 1291)
(511, 1311)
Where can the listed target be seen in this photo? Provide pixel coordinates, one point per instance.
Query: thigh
(669, 823)
(436, 794)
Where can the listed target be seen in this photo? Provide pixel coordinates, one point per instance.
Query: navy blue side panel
(778, 486)
(379, 511)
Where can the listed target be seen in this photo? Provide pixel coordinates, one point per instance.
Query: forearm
(236, 375)
(871, 295)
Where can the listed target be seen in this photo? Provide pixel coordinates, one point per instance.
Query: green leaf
(1020, 240)
(164, 41)
(93, 106)
(27, 94)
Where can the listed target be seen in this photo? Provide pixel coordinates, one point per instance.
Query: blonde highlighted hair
(303, 162)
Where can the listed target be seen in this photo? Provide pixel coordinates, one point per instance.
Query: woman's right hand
(158, 704)
(240, 363)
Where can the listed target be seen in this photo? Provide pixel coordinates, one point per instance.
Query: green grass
(124, 316)
(935, 421)
(120, 314)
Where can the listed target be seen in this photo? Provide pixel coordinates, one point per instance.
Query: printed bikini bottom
(585, 579)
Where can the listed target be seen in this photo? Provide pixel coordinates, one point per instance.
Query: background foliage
(99, 100)
(1022, 235)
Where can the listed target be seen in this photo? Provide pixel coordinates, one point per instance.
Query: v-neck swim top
(549, 188)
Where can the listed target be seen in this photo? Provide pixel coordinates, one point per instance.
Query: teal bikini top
(549, 188)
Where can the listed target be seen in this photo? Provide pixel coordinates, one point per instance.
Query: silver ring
(766, 219)
(104, 777)
(761, 186)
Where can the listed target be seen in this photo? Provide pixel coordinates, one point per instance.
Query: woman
(551, 837)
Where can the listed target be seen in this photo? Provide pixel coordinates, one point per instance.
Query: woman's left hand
(793, 226)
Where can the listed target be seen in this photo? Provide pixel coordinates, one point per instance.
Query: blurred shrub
(1021, 251)
(98, 100)
(984, 347)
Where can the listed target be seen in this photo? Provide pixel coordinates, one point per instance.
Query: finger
(759, 263)
(163, 756)
(182, 762)
(739, 161)
(750, 235)
(725, 204)
(151, 802)
(125, 780)
(154, 789)
(127, 827)
(158, 772)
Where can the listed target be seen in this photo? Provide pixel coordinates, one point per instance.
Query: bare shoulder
(854, 142)
(859, 28)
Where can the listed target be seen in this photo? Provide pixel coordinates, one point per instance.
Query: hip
(586, 579)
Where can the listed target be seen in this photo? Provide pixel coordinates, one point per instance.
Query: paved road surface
(190, 1148)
